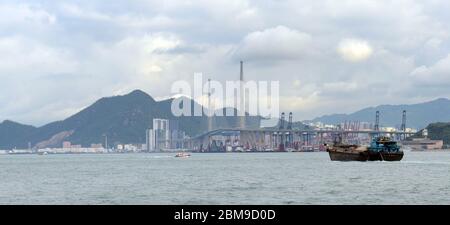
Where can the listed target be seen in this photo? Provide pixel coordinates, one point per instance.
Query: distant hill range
(418, 115)
(123, 119)
(296, 125)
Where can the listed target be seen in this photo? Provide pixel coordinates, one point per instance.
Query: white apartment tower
(158, 137)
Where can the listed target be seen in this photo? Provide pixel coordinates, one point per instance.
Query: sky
(58, 57)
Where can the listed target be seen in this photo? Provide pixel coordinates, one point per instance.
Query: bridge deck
(270, 130)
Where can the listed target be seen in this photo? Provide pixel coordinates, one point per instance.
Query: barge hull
(385, 156)
(344, 156)
(364, 156)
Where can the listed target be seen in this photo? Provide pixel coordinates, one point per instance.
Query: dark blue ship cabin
(383, 144)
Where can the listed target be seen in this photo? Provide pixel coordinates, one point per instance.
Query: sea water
(229, 178)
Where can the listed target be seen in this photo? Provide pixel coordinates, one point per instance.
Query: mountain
(123, 119)
(418, 115)
(12, 132)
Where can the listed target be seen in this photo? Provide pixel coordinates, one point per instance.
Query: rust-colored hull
(362, 156)
(348, 156)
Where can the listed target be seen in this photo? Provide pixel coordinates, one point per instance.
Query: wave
(160, 156)
(427, 162)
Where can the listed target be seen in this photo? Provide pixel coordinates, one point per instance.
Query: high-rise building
(158, 136)
(165, 134)
(149, 140)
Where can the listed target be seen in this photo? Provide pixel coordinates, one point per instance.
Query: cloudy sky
(57, 57)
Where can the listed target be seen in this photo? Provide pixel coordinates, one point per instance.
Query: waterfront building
(66, 144)
(164, 134)
(96, 146)
(423, 144)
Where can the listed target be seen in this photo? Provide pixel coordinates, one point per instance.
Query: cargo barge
(380, 149)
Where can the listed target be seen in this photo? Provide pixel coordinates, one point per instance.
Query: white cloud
(278, 43)
(354, 50)
(25, 56)
(433, 43)
(437, 74)
(24, 14)
(82, 13)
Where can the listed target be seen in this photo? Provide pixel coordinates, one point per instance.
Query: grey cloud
(436, 75)
(56, 57)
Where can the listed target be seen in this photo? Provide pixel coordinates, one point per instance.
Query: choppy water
(266, 178)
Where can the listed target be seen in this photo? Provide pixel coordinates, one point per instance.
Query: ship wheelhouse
(383, 144)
